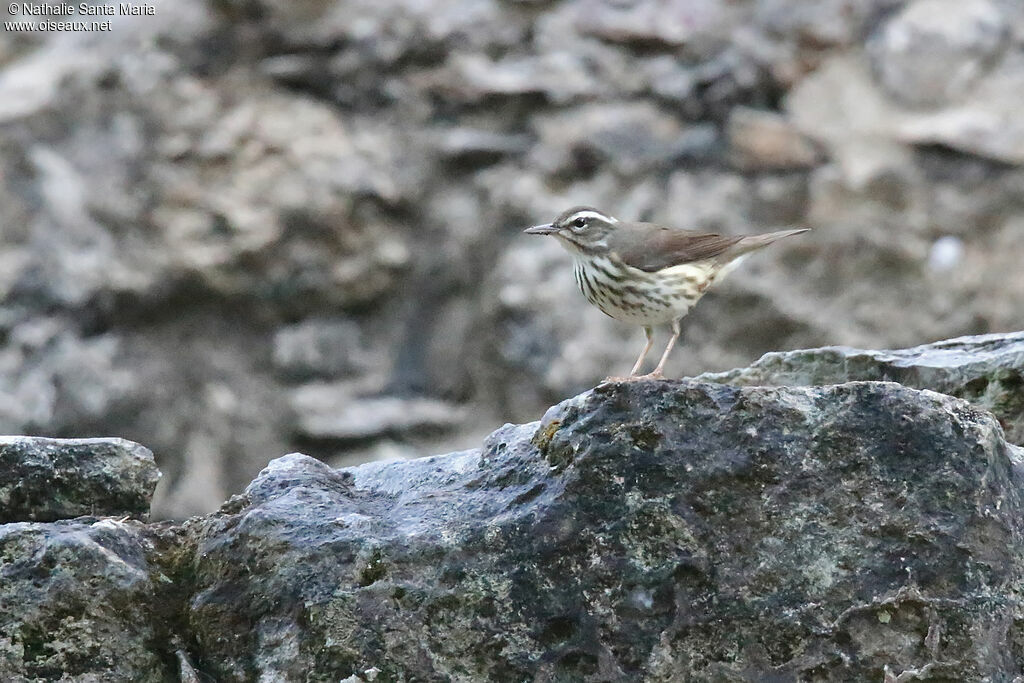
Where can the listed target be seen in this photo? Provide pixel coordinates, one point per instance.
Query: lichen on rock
(642, 531)
(49, 479)
(648, 530)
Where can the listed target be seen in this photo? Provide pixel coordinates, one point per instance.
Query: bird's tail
(754, 242)
(738, 253)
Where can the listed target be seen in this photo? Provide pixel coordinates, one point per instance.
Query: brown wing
(652, 247)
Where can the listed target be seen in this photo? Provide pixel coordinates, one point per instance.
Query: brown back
(652, 247)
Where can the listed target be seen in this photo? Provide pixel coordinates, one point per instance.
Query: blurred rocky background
(243, 227)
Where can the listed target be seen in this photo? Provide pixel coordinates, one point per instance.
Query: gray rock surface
(762, 140)
(650, 530)
(79, 603)
(933, 51)
(643, 531)
(43, 480)
(987, 370)
(206, 210)
(330, 412)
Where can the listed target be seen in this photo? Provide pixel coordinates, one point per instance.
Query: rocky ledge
(661, 531)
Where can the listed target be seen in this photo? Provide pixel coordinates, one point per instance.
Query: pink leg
(649, 331)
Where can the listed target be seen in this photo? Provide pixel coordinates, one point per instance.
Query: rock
(780, 199)
(319, 349)
(984, 124)
(79, 603)
(828, 23)
(710, 200)
(656, 22)
(760, 140)
(205, 400)
(987, 370)
(933, 51)
(640, 531)
(337, 412)
(841, 107)
(630, 137)
(385, 34)
(669, 79)
(55, 381)
(50, 479)
(560, 76)
(274, 223)
(471, 146)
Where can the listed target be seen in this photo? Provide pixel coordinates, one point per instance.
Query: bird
(644, 273)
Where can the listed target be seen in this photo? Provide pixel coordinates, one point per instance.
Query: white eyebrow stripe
(592, 214)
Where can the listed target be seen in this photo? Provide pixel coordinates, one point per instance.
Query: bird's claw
(656, 374)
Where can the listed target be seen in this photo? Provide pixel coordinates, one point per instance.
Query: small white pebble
(393, 253)
(946, 254)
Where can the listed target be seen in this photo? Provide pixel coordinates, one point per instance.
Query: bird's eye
(580, 222)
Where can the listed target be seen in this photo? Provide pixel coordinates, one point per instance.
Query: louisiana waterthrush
(644, 273)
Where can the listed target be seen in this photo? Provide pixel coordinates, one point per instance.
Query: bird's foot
(656, 374)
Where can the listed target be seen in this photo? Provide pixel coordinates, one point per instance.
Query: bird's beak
(546, 229)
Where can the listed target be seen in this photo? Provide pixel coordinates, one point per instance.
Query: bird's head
(581, 230)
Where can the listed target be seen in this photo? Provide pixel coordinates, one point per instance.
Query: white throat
(575, 251)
